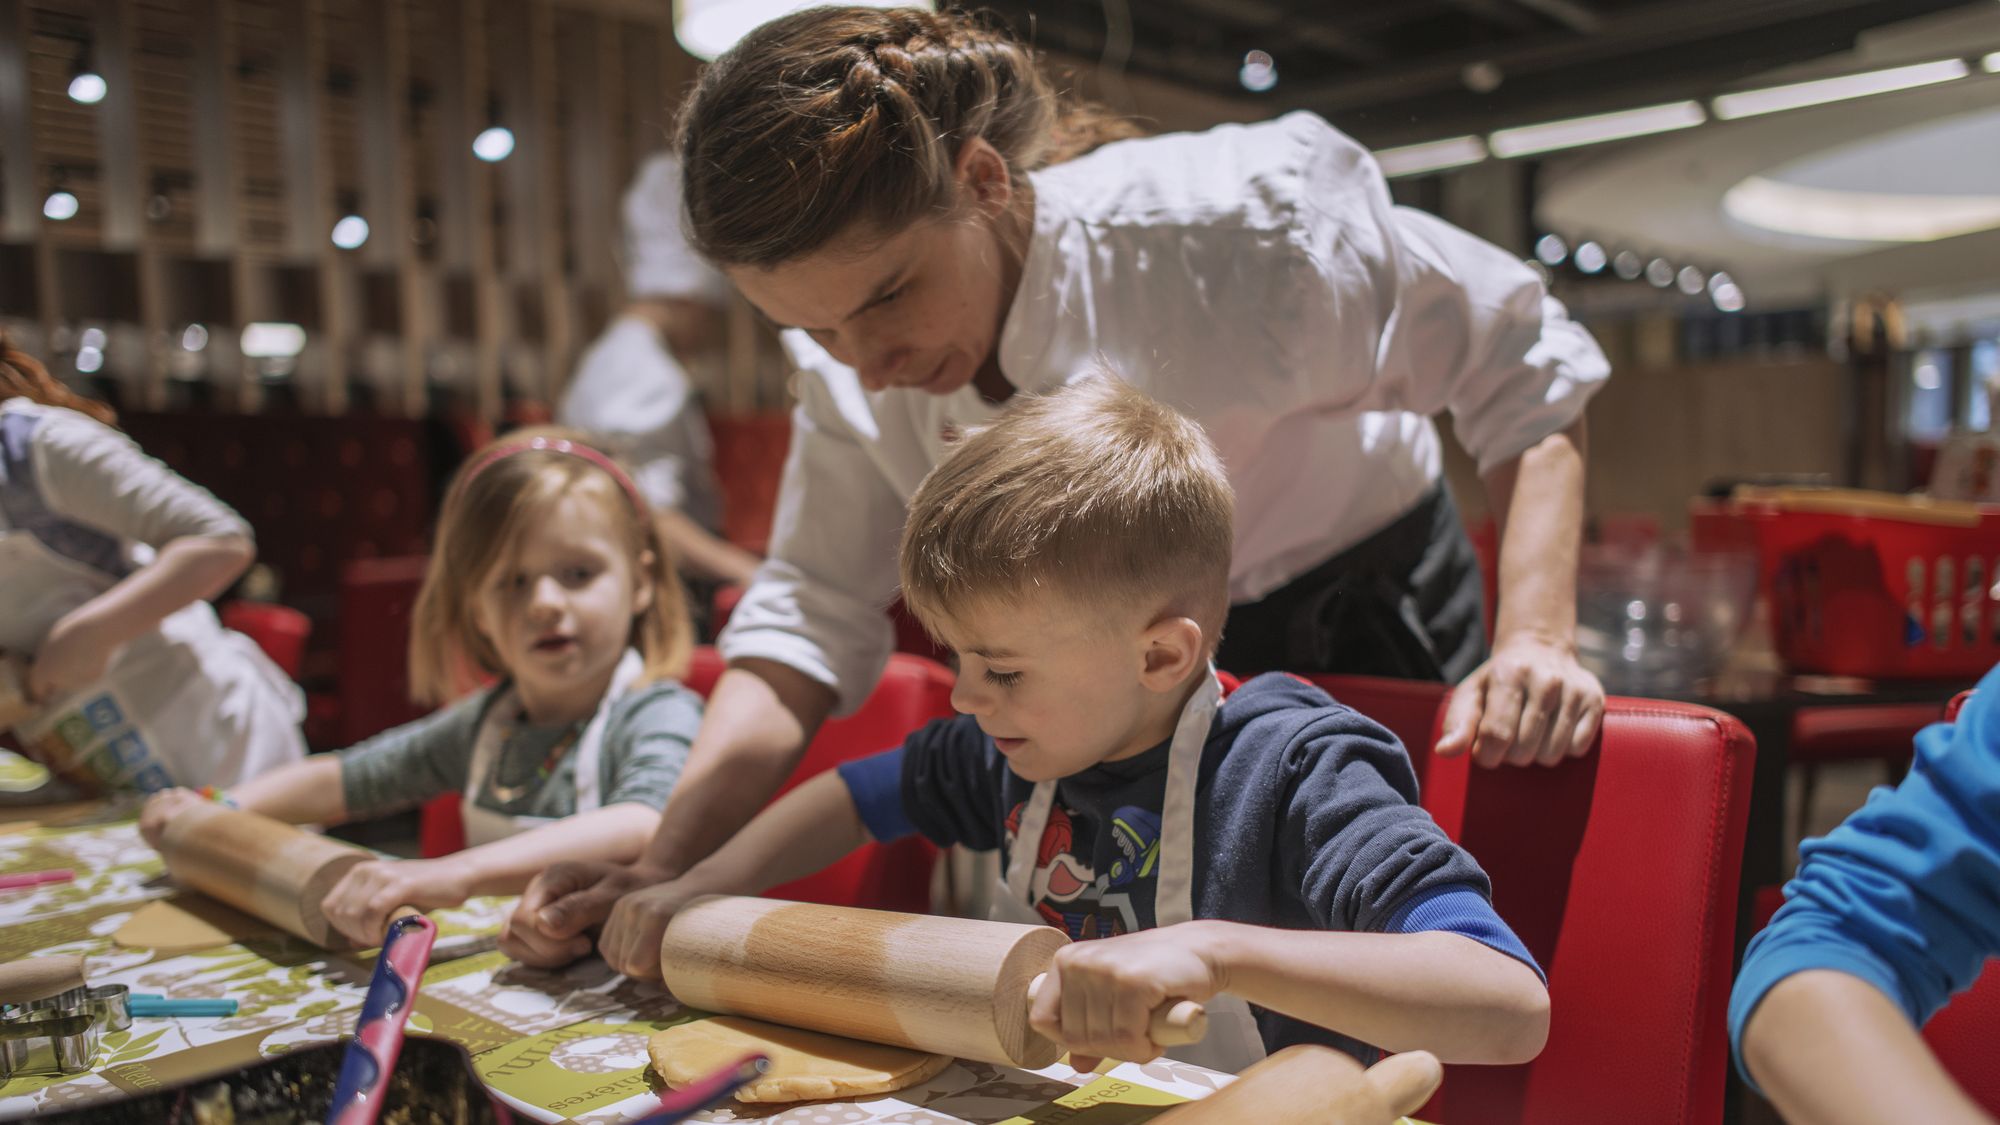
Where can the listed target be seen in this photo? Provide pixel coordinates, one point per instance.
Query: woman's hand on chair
(1530, 702)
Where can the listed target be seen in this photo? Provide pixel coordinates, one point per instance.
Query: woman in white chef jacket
(904, 195)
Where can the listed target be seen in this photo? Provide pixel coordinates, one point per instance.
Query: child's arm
(1829, 1047)
(360, 904)
(1439, 992)
(306, 792)
(805, 831)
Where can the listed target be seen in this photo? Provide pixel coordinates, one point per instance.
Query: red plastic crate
(1869, 595)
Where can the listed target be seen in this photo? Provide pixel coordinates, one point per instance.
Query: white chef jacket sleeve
(94, 475)
(818, 601)
(629, 393)
(1452, 321)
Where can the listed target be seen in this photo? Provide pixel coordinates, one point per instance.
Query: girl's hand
(1099, 996)
(360, 904)
(74, 656)
(162, 807)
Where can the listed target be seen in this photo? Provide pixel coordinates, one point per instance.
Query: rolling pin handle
(1174, 1024)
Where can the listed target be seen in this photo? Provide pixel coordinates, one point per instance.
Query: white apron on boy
(1233, 1041)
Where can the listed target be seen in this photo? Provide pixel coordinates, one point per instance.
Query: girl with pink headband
(548, 583)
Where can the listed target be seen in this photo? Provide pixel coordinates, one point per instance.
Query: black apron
(1406, 602)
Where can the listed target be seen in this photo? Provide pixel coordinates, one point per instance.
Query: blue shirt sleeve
(1462, 910)
(876, 784)
(1905, 894)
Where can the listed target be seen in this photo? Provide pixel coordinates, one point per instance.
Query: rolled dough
(187, 923)
(805, 1065)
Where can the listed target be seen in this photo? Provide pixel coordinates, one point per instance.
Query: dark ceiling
(1396, 71)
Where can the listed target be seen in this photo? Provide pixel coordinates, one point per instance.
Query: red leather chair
(280, 631)
(1619, 871)
(894, 876)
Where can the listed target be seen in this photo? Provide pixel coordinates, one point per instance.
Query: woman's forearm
(307, 792)
(186, 570)
(1829, 1048)
(804, 832)
(1537, 501)
(759, 719)
(615, 833)
(1437, 992)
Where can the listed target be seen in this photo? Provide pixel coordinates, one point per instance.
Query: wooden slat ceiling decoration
(255, 124)
(65, 133)
(163, 76)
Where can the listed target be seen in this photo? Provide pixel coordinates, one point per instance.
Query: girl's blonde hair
(501, 492)
(833, 117)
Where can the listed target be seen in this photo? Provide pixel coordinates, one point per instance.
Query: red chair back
(280, 631)
(1619, 871)
(894, 876)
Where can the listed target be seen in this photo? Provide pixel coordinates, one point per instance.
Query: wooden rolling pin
(263, 867)
(1314, 1085)
(951, 986)
(38, 978)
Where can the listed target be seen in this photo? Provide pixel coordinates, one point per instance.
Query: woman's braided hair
(834, 117)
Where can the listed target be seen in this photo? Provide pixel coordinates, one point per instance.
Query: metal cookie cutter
(59, 1035)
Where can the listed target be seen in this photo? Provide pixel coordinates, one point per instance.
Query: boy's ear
(1173, 648)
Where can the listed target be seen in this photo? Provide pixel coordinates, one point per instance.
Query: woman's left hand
(360, 904)
(73, 656)
(1530, 702)
(1098, 997)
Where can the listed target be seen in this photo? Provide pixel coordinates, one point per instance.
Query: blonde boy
(1262, 854)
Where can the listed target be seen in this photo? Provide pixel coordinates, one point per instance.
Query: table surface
(567, 1045)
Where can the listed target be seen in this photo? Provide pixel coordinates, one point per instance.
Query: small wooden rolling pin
(951, 986)
(1314, 1085)
(263, 867)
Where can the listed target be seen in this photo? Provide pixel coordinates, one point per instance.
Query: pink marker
(35, 878)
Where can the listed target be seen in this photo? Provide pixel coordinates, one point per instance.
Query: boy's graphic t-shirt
(1305, 818)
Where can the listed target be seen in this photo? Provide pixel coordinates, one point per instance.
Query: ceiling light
(1691, 280)
(1728, 298)
(1798, 95)
(1259, 73)
(1482, 77)
(1571, 132)
(1590, 257)
(89, 360)
(88, 88)
(1991, 63)
(60, 206)
(1857, 216)
(1660, 272)
(1627, 265)
(493, 144)
(194, 338)
(1431, 156)
(350, 232)
(1550, 249)
(707, 28)
(269, 339)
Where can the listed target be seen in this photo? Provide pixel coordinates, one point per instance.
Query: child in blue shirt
(1891, 913)
(1263, 854)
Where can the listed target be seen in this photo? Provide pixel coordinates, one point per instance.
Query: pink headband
(556, 445)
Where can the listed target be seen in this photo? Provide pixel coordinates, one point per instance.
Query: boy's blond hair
(1095, 491)
(502, 490)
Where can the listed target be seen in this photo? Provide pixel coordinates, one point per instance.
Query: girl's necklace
(508, 794)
